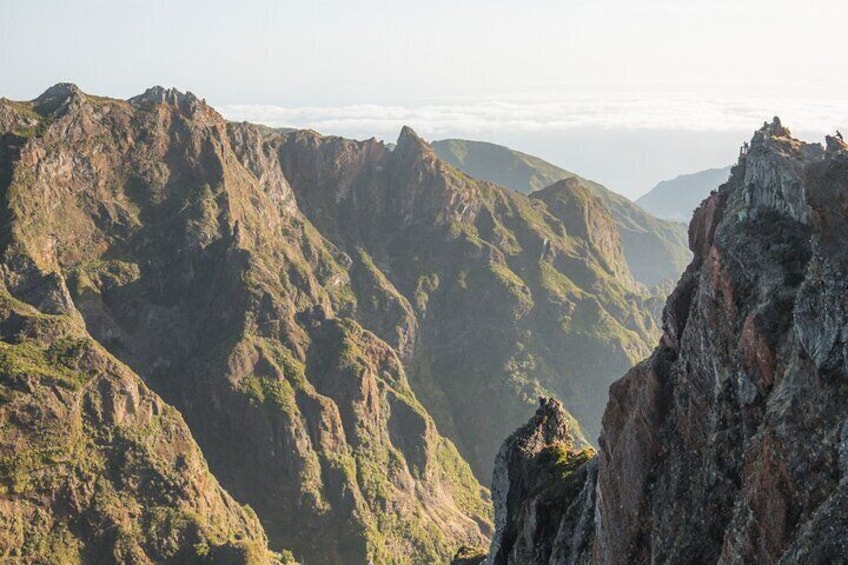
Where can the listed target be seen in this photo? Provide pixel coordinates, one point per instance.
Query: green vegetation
(469, 556)
(557, 471)
(260, 281)
(59, 363)
(655, 249)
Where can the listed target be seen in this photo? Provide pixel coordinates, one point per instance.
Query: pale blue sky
(547, 66)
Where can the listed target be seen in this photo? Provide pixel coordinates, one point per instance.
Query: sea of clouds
(478, 118)
(628, 142)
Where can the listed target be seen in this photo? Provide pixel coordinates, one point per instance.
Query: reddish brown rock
(722, 445)
(730, 443)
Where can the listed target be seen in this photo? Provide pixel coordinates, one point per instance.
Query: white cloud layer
(479, 118)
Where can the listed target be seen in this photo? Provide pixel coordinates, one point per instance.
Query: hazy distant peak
(677, 198)
(655, 249)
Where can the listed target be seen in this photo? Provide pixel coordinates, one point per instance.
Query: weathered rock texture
(728, 445)
(94, 467)
(319, 309)
(176, 238)
(539, 489)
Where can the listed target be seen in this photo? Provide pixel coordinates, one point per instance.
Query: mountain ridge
(166, 211)
(676, 199)
(655, 249)
(347, 331)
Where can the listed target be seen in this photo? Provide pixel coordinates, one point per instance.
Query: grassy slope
(655, 249)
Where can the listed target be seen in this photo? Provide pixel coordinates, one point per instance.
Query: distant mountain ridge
(501, 165)
(676, 199)
(655, 249)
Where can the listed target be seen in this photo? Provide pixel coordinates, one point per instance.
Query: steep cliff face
(724, 444)
(500, 297)
(728, 443)
(180, 245)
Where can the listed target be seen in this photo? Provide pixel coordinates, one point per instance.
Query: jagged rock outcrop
(723, 444)
(175, 237)
(728, 444)
(540, 490)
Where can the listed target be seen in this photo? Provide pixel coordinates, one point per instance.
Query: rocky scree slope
(729, 444)
(655, 249)
(181, 247)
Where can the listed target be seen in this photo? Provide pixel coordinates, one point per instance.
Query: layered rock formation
(728, 443)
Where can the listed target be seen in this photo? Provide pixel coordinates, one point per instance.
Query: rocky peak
(774, 168)
(539, 474)
(550, 423)
(775, 128)
(586, 216)
(726, 443)
(189, 104)
(410, 143)
(161, 95)
(58, 99)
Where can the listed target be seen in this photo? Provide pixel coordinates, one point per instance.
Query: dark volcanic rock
(706, 449)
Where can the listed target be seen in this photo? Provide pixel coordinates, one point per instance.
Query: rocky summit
(728, 444)
(339, 333)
